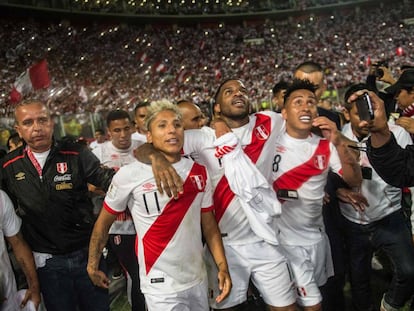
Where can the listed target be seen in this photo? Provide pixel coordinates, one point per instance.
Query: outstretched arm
(97, 243)
(213, 238)
(165, 175)
(25, 259)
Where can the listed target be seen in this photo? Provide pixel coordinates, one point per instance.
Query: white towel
(254, 193)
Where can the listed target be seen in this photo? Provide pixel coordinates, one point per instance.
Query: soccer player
(170, 251)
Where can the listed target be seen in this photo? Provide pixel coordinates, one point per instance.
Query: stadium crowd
(100, 66)
(117, 69)
(193, 7)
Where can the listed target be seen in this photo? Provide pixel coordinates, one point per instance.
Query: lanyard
(34, 162)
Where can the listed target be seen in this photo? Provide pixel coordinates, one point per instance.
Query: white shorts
(311, 266)
(261, 262)
(194, 298)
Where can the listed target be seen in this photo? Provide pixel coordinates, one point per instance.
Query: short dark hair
(141, 104)
(117, 114)
(14, 138)
(282, 85)
(183, 101)
(309, 67)
(100, 131)
(220, 86)
(299, 84)
(351, 90)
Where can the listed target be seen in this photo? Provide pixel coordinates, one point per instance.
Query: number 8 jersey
(300, 168)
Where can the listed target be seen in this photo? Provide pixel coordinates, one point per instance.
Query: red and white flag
(217, 74)
(367, 61)
(159, 67)
(34, 78)
(143, 57)
(82, 94)
(183, 75)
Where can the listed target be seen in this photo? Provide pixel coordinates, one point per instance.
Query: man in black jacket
(47, 181)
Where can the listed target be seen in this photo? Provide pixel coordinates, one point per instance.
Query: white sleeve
(97, 151)
(402, 137)
(119, 192)
(208, 194)
(195, 140)
(11, 223)
(257, 197)
(334, 160)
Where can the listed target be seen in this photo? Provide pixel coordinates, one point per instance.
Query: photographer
(379, 71)
(390, 161)
(377, 221)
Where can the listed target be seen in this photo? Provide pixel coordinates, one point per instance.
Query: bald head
(312, 72)
(192, 116)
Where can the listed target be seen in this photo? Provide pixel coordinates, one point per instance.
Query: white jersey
(169, 231)
(257, 139)
(94, 144)
(139, 138)
(300, 168)
(9, 226)
(383, 199)
(115, 158)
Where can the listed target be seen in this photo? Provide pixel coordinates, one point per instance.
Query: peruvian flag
(183, 75)
(34, 78)
(159, 67)
(217, 74)
(143, 57)
(82, 94)
(242, 61)
(368, 61)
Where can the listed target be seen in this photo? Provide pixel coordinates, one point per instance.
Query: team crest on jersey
(62, 167)
(198, 182)
(261, 132)
(320, 161)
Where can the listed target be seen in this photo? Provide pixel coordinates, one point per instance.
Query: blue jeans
(392, 235)
(65, 284)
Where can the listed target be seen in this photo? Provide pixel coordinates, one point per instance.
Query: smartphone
(364, 105)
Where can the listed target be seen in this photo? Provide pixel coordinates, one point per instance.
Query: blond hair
(158, 106)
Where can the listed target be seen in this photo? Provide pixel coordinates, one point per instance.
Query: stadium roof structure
(144, 11)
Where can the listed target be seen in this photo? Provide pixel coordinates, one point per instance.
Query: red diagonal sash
(294, 178)
(223, 194)
(164, 227)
